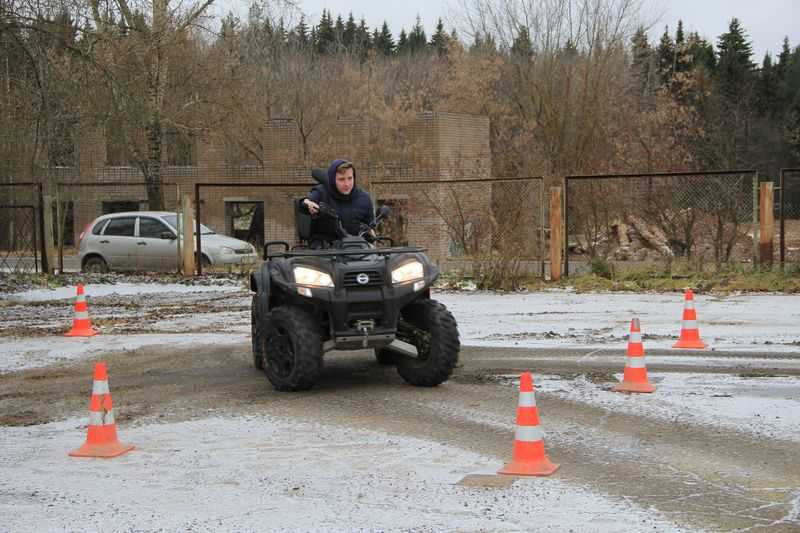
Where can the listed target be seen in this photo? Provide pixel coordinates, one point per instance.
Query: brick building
(437, 147)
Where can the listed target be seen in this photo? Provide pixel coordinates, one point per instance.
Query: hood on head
(332, 176)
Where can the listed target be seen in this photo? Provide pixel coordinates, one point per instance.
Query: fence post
(188, 243)
(556, 233)
(782, 229)
(48, 264)
(43, 248)
(755, 220)
(766, 224)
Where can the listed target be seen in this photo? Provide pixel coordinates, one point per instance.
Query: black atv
(355, 294)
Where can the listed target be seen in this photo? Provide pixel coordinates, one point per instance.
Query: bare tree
(137, 51)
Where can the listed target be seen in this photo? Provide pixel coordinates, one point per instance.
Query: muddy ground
(698, 477)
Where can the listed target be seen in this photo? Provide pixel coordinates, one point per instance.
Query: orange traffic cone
(690, 333)
(81, 325)
(635, 377)
(101, 440)
(528, 458)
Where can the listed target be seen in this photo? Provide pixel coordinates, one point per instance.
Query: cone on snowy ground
(690, 333)
(528, 458)
(101, 440)
(81, 325)
(635, 377)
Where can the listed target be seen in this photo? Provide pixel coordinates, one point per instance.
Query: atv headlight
(409, 272)
(314, 278)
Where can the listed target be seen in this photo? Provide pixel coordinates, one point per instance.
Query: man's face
(344, 180)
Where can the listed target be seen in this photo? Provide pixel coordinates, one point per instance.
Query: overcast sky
(766, 21)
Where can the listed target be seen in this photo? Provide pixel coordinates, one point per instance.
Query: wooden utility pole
(556, 233)
(188, 236)
(766, 219)
(48, 263)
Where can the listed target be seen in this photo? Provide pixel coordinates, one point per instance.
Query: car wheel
(431, 328)
(95, 264)
(292, 352)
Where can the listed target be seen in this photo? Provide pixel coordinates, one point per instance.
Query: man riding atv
(353, 205)
(337, 290)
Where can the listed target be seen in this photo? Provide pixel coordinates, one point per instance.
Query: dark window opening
(120, 206)
(181, 148)
(245, 221)
(61, 146)
(118, 153)
(396, 225)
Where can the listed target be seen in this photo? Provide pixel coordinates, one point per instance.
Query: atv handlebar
(364, 230)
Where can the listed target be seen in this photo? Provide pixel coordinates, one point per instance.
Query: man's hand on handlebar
(313, 207)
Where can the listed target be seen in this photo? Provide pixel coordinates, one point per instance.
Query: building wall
(442, 146)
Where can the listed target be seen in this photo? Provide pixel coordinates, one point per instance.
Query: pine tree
(363, 37)
(402, 42)
(349, 32)
(683, 58)
(326, 37)
(783, 60)
(701, 52)
(440, 39)
(679, 37)
(301, 32)
(665, 57)
(417, 40)
(767, 88)
(642, 62)
(384, 42)
(522, 45)
(735, 70)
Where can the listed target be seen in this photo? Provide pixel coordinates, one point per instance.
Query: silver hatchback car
(147, 240)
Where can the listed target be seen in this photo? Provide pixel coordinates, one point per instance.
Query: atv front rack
(331, 252)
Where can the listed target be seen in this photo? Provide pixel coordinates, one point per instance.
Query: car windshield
(172, 220)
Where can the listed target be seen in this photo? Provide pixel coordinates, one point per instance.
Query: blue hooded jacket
(354, 208)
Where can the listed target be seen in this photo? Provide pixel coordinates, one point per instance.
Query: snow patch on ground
(194, 476)
(767, 322)
(22, 354)
(119, 289)
(766, 407)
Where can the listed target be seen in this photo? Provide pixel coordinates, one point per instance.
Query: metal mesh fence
(704, 216)
(491, 228)
(790, 210)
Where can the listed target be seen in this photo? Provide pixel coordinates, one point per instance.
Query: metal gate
(21, 228)
(19, 246)
(789, 215)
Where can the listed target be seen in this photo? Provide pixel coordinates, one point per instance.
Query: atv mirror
(383, 211)
(320, 175)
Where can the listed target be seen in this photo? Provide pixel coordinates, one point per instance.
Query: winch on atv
(349, 295)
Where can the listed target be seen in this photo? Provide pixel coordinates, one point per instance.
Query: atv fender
(260, 284)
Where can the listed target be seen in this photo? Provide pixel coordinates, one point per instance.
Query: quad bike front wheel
(431, 328)
(292, 349)
(256, 335)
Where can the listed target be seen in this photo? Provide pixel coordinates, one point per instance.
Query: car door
(154, 252)
(120, 240)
